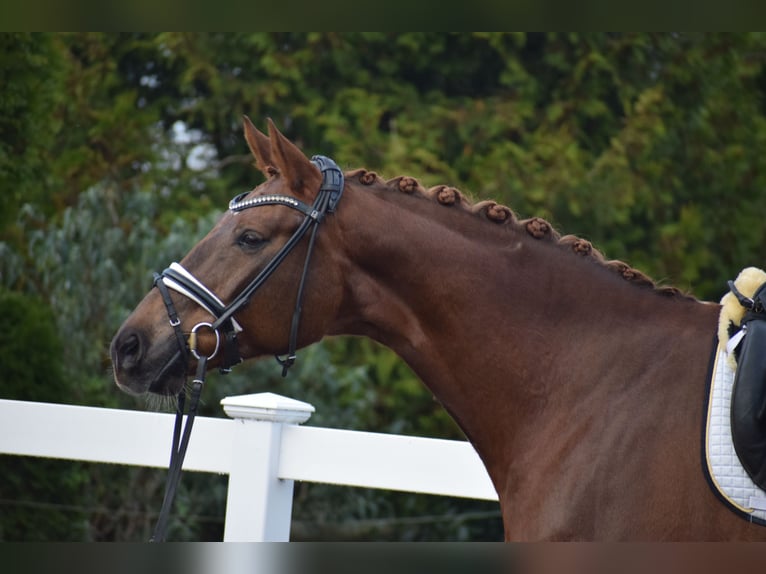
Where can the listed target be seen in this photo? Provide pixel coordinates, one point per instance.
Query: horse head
(264, 246)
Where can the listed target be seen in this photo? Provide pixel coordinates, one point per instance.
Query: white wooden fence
(261, 447)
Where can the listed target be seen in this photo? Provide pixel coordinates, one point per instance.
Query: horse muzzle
(142, 367)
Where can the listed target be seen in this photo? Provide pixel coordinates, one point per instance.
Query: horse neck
(500, 326)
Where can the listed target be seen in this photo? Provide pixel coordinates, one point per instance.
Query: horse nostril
(130, 346)
(129, 350)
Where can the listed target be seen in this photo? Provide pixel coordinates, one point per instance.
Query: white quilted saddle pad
(725, 471)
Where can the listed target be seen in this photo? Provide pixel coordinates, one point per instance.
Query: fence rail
(261, 447)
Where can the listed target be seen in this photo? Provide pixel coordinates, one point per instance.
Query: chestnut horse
(580, 383)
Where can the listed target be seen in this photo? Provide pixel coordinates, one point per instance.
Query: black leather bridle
(225, 327)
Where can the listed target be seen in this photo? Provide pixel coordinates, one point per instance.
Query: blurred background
(119, 151)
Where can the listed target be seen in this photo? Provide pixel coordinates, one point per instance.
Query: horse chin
(168, 379)
(166, 387)
(134, 388)
(169, 385)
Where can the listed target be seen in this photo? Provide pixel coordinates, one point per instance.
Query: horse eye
(250, 239)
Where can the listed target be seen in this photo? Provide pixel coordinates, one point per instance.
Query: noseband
(225, 326)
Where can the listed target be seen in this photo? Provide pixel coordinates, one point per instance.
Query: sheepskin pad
(732, 312)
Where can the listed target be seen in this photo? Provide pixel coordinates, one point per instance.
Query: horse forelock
(501, 215)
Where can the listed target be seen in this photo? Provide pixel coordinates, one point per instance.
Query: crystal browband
(239, 203)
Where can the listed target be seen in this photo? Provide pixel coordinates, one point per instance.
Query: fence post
(259, 504)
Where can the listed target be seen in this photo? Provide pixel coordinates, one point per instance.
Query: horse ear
(259, 145)
(300, 174)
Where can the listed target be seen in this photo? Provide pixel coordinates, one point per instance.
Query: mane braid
(536, 227)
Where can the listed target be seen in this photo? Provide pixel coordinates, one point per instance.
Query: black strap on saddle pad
(748, 402)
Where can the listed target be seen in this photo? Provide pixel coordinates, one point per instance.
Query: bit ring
(193, 340)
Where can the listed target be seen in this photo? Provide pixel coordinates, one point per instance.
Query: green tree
(31, 76)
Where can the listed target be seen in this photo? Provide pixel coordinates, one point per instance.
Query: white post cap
(267, 407)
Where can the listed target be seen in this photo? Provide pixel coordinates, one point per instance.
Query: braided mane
(536, 227)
